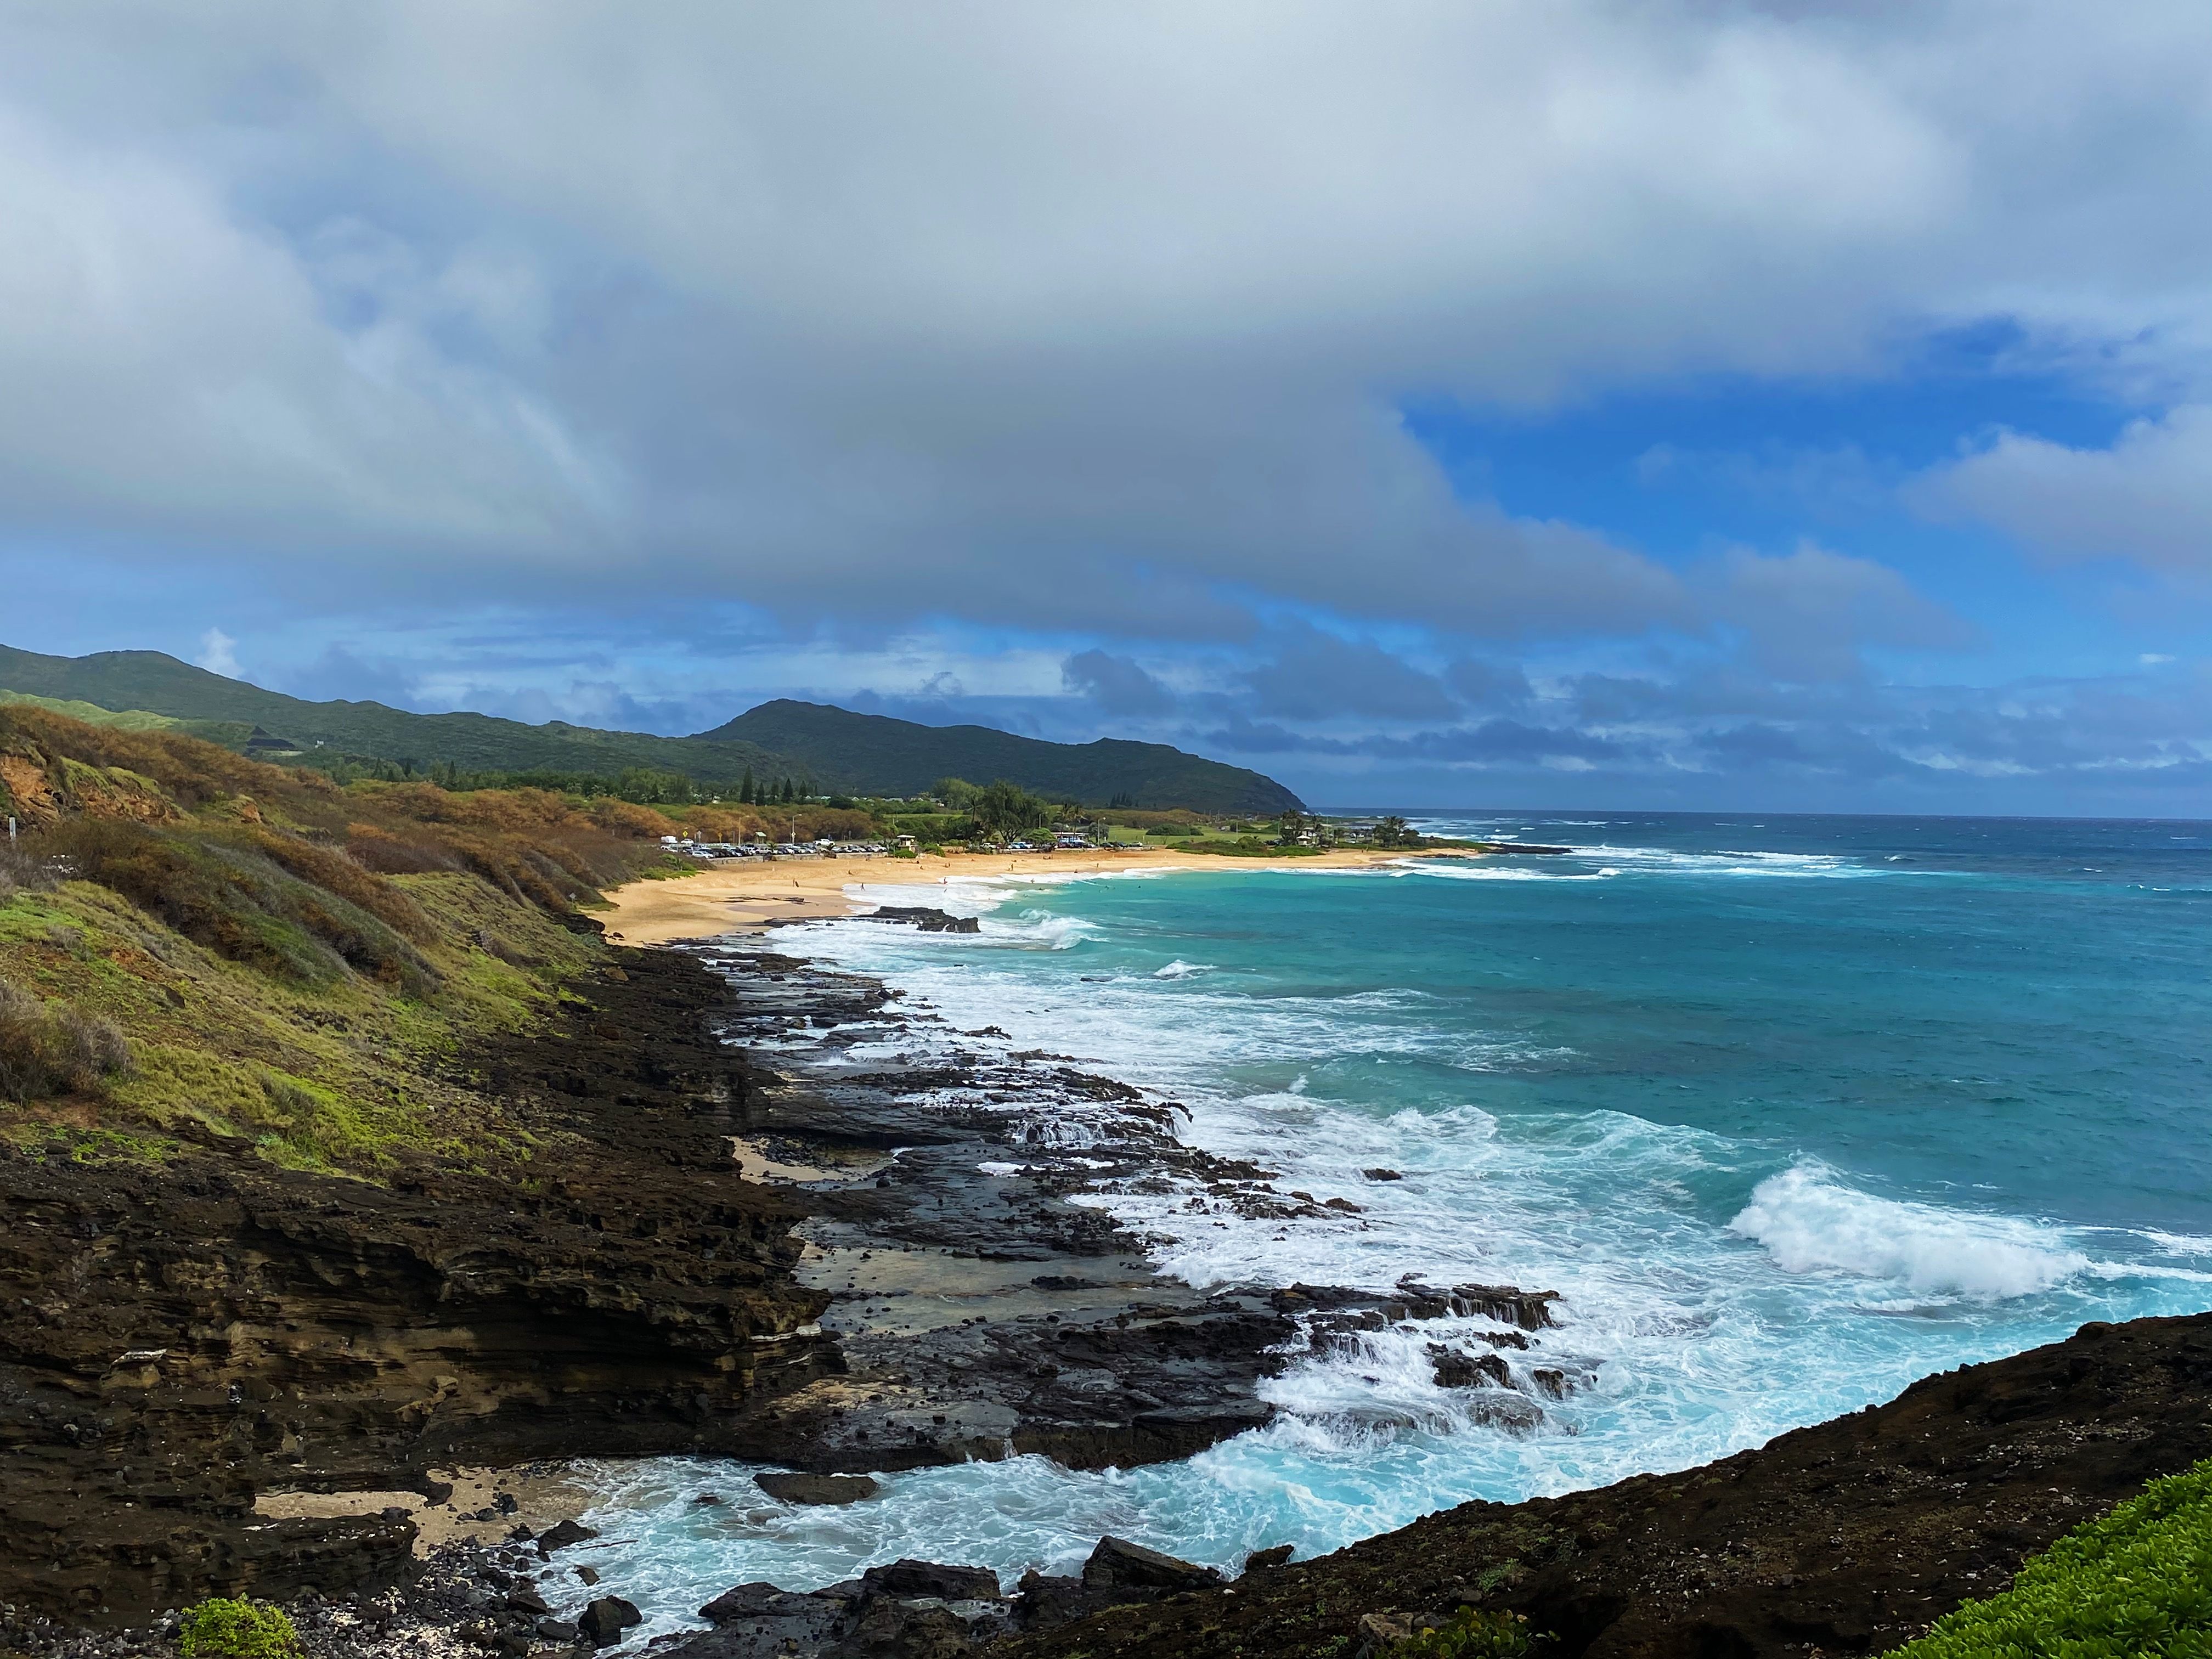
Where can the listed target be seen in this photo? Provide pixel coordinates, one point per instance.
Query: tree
(1007, 809)
(957, 793)
(1395, 832)
(746, 789)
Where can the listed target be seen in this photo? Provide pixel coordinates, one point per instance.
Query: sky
(1700, 405)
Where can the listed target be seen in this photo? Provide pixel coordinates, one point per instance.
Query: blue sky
(1706, 404)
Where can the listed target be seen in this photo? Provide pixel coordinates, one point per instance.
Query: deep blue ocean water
(1793, 1110)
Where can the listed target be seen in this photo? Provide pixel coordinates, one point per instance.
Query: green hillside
(148, 680)
(880, 754)
(859, 754)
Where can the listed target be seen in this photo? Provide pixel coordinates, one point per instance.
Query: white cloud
(1088, 318)
(2146, 497)
(1807, 616)
(218, 653)
(190, 383)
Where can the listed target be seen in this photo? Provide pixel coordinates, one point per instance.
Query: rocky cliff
(178, 1334)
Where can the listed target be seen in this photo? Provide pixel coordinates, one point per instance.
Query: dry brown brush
(52, 1048)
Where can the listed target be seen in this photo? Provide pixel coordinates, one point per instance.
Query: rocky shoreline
(774, 1215)
(769, 1215)
(978, 1311)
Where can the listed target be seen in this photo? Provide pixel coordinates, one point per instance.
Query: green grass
(339, 1076)
(2136, 1584)
(221, 1628)
(194, 942)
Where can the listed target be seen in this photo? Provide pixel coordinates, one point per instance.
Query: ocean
(1791, 1110)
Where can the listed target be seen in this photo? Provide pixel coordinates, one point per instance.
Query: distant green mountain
(857, 754)
(880, 756)
(161, 685)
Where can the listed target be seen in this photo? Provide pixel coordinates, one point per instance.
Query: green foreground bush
(1472, 1635)
(221, 1628)
(2134, 1585)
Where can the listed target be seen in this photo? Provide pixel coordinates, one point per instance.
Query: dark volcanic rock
(1507, 1304)
(1260, 1560)
(561, 1534)
(1455, 1370)
(919, 1628)
(927, 920)
(174, 1340)
(909, 1578)
(605, 1619)
(817, 1488)
(1851, 1535)
(764, 1600)
(1117, 1563)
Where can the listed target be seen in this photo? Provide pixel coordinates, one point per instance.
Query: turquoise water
(1792, 1110)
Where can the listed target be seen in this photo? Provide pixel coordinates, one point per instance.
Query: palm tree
(1394, 832)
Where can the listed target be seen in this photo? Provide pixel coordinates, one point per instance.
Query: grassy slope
(229, 734)
(872, 754)
(244, 1019)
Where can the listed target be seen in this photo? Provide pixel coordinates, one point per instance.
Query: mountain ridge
(839, 749)
(903, 757)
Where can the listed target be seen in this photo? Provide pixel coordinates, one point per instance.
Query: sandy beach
(746, 896)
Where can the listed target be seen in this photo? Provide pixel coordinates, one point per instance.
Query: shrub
(21, 872)
(1472, 1635)
(2134, 1585)
(238, 902)
(327, 867)
(389, 855)
(51, 1048)
(223, 1628)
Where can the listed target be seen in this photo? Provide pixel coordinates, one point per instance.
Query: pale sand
(543, 1494)
(742, 897)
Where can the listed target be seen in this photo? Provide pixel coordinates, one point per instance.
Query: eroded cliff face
(176, 1337)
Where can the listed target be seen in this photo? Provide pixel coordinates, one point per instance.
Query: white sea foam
(1809, 1221)
(1180, 970)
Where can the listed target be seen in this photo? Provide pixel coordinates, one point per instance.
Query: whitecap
(1809, 1221)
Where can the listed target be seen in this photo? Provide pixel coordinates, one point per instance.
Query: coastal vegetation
(227, 1627)
(192, 943)
(2135, 1584)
